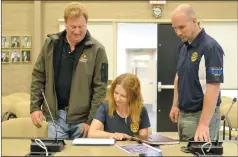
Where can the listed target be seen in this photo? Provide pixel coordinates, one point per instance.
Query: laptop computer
(156, 139)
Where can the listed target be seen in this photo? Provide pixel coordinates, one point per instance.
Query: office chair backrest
(5, 110)
(11, 99)
(21, 109)
(226, 101)
(232, 114)
(15, 105)
(24, 128)
(22, 95)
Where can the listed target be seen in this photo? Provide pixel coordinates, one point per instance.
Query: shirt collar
(86, 38)
(198, 38)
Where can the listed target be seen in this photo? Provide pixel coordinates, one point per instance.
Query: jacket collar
(57, 36)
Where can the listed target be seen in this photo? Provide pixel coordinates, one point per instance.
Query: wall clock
(157, 11)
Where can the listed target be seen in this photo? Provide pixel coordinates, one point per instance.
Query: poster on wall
(5, 41)
(15, 56)
(25, 56)
(5, 56)
(15, 42)
(26, 41)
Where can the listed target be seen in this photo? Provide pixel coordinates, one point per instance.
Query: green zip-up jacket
(88, 86)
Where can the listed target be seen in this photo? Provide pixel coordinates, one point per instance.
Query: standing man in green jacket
(72, 70)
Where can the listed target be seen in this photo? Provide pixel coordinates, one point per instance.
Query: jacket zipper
(70, 90)
(69, 100)
(56, 104)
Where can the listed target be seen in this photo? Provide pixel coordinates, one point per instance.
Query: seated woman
(123, 115)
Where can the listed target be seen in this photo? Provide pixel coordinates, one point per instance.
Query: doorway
(137, 53)
(168, 44)
(149, 50)
(142, 63)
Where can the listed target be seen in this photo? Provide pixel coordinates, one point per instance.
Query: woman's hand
(120, 136)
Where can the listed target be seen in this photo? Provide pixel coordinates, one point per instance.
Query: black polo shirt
(190, 93)
(68, 62)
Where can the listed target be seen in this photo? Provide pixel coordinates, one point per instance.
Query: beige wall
(52, 11)
(16, 78)
(18, 19)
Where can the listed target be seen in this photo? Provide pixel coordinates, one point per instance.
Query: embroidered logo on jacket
(83, 58)
(134, 127)
(216, 71)
(194, 56)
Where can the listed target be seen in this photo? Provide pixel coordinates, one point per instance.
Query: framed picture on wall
(15, 56)
(5, 41)
(25, 56)
(26, 41)
(15, 42)
(5, 56)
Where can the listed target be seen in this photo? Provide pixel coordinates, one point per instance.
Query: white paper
(93, 141)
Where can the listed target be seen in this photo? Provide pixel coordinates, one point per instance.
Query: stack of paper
(93, 141)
